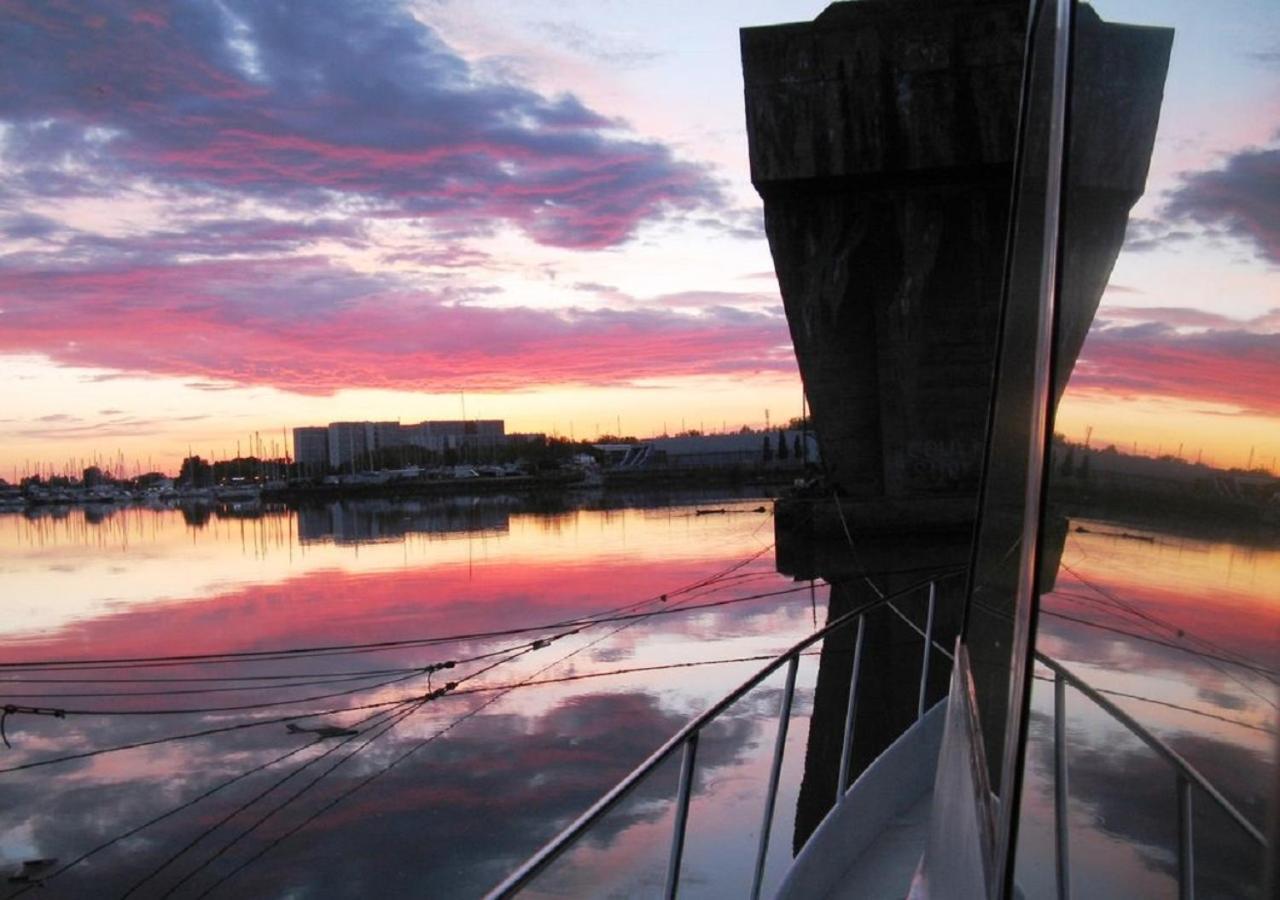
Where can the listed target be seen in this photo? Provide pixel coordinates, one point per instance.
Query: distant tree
(1083, 472)
(92, 476)
(798, 448)
(195, 472)
(766, 451)
(1068, 467)
(783, 453)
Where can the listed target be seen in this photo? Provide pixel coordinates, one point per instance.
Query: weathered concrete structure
(882, 139)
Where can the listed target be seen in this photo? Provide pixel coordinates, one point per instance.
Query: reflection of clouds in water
(612, 654)
(1133, 663)
(1120, 788)
(456, 817)
(1221, 698)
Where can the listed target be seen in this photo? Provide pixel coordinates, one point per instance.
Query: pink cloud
(1237, 367)
(306, 326)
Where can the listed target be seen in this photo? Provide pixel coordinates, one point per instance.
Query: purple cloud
(1237, 200)
(301, 104)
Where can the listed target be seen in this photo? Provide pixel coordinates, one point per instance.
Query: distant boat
(237, 493)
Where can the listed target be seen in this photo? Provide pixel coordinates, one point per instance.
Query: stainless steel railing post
(928, 646)
(846, 749)
(775, 770)
(1186, 842)
(687, 763)
(1063, 858)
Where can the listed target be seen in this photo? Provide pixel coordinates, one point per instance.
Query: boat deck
(870, 845)
(884, 870)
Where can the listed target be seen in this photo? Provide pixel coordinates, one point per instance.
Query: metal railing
(1188, 781)
(686, 740)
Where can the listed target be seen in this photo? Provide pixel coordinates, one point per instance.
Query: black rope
(333, 649)
(500, 693)
(670, 609)
(394, 718)
(11, 709)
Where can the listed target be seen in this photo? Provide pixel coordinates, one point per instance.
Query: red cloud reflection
(327, 608)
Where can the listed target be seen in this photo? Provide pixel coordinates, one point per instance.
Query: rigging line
(853, 551)
(203, 679)
(359, 723)
(205, 832)
(298, 676)
(1098, 604)
(586, 676)
(273, 704)
(186, 805)
(329, 712)
(629, 617)
(1156, 620)
(337, 679)
(1209, 661)
(394, 719)
(207, 732)
(1143, 637)
(288, 653)
(383, 729)
(406, 671)
(294, 682)
(501, 692)
(1188, 709)
(322, 676)
(1191, 651)
(160, 818)
(920, 631)
(395, 762)
(1134, 610)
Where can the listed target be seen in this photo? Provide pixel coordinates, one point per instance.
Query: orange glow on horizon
(1222, 437)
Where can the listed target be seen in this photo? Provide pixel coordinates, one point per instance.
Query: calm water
(1182, 633)
(444, 798)
(460, 789)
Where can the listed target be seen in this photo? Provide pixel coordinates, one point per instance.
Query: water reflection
(1165, 595)
(458, 810)
(365, 521)
(456, 790)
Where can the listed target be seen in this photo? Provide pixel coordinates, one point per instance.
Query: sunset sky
(228, 217)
